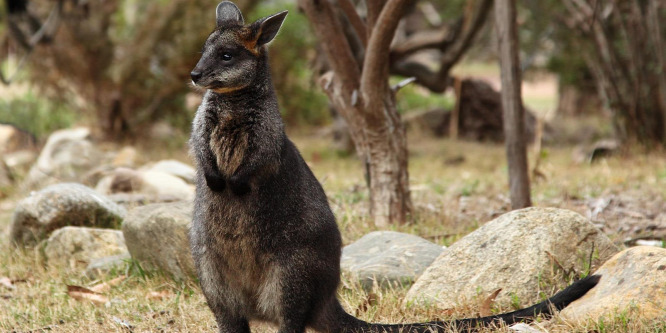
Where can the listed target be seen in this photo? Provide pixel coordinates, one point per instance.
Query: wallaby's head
(233, 51)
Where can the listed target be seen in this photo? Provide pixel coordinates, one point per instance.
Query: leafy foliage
(36, 114)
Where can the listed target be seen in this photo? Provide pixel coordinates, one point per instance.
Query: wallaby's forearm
(260, 161)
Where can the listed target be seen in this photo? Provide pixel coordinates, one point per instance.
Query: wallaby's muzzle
(196, 75)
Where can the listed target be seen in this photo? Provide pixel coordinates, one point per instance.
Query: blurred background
(121, 67)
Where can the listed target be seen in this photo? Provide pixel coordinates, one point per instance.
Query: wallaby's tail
(558, 302)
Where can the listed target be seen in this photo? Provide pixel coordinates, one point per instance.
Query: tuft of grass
(35, 114)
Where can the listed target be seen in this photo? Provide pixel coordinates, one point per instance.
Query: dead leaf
(84, 294)
(159, 295)
(7, 283)
(486, 306)
(106, 286)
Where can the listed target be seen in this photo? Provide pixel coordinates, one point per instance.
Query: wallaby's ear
(226, 12)
(268, 27)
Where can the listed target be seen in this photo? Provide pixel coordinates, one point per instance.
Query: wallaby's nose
(195, 76)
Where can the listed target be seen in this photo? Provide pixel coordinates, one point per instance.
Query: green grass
(450, 201)
(36, 115)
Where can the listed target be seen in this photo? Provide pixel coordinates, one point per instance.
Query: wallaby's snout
(195, 75)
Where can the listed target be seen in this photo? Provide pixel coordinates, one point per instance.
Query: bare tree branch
(437, 81)
(374, 8)
(337, 47)
(439, 38)
(355, 20)
(376, 64)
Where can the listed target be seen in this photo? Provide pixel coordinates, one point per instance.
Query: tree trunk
(514, 129)
(360, 91)
(387, 168)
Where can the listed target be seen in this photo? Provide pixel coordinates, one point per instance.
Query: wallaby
(263, 237)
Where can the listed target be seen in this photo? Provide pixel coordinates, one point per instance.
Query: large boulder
(632, 282)
(389, 258)
(56, 206)
(76, 247)
(157, 237)
(67, 155)
(516, 252)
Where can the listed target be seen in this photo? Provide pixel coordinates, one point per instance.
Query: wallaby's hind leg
(307, 296)
(295, 312)
(229, 324)
(221, 298)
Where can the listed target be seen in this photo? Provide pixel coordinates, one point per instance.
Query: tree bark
(514, 131)
(361, 93)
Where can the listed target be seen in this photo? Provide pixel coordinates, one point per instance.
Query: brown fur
(228, 145)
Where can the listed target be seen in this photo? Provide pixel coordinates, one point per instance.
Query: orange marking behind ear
(250, 42)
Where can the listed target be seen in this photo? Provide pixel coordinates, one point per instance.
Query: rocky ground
(109, 219)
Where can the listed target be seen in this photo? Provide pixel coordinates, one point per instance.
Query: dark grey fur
(264, 239)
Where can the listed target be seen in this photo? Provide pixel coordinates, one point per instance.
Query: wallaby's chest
(229, 142)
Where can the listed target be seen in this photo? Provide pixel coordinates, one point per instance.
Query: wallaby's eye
(226, 56)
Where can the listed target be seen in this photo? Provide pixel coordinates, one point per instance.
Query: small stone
(67, 155)
(100, 266)
(174, 168)
(388, 257)
(76, 247)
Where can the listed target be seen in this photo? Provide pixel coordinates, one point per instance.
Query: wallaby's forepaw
(238, 185)
(215, 182)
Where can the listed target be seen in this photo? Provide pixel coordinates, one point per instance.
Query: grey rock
(120, 180)
(100, 266)
(388, 257)
(67, 155)
(76, 247)
(632, 282)
(515, 252)
(157, 237)
(56, 206)
(159, 184)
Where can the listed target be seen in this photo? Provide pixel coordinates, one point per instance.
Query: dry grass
(450, 201)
